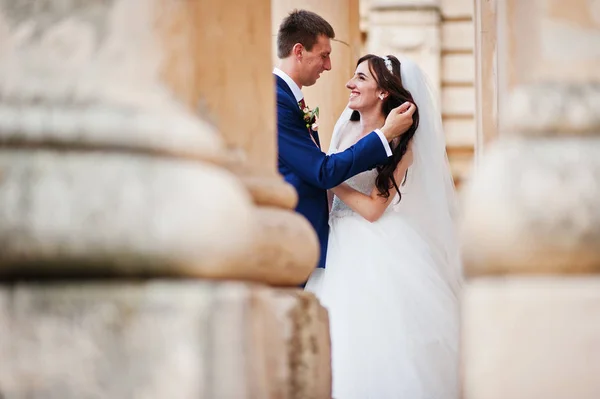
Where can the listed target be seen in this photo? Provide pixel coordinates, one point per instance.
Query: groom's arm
(312, 165)
(372, 206)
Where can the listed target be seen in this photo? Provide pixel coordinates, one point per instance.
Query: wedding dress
(391, 287)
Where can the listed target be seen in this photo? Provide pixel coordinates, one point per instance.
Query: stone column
(230, 79)
(329, 93)
(110, 176)
(532, 222)
(486, 74)
(495, 68)
(410, 28)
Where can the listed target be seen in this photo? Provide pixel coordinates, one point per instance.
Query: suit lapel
(316, 137)
(284, 86)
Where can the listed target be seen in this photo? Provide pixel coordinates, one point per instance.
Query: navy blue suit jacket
(311, 171)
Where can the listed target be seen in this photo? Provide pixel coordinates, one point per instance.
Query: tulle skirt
(394, 318)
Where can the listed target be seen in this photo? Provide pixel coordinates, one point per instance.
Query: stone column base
(164, 339)
(532, 337)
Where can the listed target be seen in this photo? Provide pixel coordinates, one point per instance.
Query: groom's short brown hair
(303, 27)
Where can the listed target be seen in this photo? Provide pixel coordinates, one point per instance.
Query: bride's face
(363, 89)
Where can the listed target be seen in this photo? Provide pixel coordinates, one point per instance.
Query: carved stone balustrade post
(408, 27)
(531, 227)
(110, 179)
(222, 63)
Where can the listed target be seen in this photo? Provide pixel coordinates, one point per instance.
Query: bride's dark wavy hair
(390, 82)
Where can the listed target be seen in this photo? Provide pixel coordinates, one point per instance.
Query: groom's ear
(297, 50)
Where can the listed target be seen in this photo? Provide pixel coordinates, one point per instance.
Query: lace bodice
(363, 182)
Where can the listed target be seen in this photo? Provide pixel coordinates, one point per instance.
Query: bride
(393, 273)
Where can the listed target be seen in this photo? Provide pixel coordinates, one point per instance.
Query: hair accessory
(388, 63)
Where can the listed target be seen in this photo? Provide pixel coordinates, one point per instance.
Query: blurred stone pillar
(495, 67)
(410, 28)
(329, 93)
(108, 171)
(486, 73)
(531, 228)
(221, 63)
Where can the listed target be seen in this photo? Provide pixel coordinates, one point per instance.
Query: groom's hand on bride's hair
(398, 121)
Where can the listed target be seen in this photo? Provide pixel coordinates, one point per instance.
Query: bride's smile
(365, 93)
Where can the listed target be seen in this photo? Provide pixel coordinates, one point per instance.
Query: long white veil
(428, 197)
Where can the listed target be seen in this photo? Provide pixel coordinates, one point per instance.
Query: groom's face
(316, 61)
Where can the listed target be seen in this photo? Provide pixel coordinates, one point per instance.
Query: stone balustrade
(148, 247)
(531, 224)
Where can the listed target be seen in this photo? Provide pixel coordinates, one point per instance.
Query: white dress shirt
(299, 96)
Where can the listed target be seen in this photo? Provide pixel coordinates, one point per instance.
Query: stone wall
(458, 90)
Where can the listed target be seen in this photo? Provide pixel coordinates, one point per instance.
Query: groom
(303, 47)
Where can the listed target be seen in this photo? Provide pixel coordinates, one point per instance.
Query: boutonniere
(310, 117)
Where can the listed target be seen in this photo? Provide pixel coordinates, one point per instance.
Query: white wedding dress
(391, 287)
